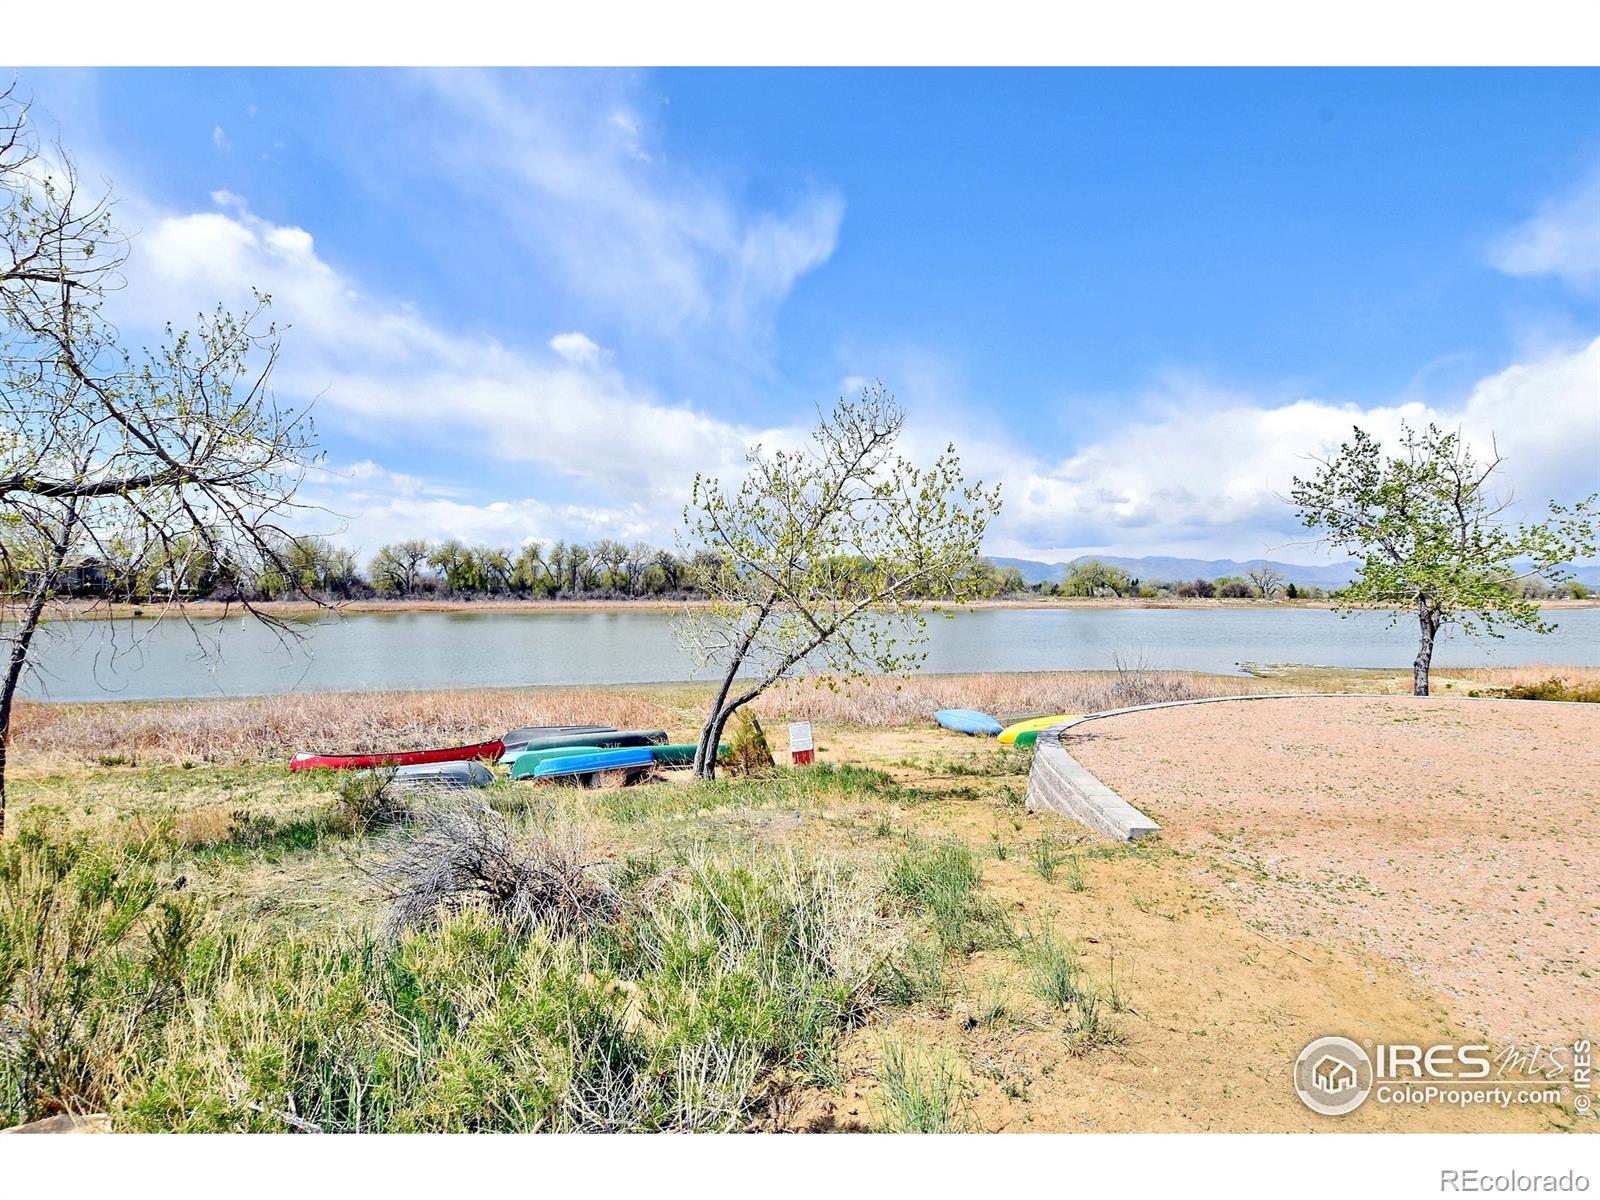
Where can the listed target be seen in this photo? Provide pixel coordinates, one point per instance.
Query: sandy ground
(1457, 839)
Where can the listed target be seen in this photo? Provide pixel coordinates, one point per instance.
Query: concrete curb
(1059, 783)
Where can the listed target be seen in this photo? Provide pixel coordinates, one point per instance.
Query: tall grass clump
(1054, 971)
(922, 1089)
(92, 951)
(941, 879)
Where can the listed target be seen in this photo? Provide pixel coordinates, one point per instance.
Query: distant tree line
(418, 568)
(1091, 577)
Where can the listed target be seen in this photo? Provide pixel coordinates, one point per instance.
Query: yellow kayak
(1035, 727)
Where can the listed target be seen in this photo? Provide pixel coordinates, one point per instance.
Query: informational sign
(801, 747)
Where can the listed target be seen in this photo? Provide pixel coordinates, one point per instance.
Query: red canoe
(402, 758)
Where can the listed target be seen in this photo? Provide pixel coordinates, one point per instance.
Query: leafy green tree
(557, 562)
(770, 552)
(495, 570)
(397, 569)
(1431, 537)
(670, 568)
(529, 571)
(1095, 578)
(458, 565)
(175, 453)
(610, 557)
(582, 574)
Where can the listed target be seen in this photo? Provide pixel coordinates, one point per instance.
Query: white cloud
(1206, 480)
(567, 160)
(1561, 239)
(576, 348)
(219, 139)
(381, 370)
(378, 506)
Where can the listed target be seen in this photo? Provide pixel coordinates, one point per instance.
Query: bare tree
(177, 453)
(1266, 580)
(822, 556)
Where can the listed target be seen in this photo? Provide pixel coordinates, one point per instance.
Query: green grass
(941, 879)
(253, 837)
(784, 787)
(1054, 972)
(1047, 856)
(922, 1089)
(245, 991)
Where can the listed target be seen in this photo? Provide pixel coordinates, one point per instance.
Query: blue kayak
(585, 764)
(965, 720)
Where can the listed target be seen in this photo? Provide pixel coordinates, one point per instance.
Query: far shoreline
(99, 610)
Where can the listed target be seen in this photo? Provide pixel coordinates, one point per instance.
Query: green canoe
(681, 754)
(523, 764)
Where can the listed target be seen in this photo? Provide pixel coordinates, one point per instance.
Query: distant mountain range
(1326, 575)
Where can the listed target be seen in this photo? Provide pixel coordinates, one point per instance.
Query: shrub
(1549, 689)
(367, 799)
(748, 752)
(460, 853)
(92, 951)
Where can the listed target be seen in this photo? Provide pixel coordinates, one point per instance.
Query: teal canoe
(523, 764)
(681, 754)
(609, 740)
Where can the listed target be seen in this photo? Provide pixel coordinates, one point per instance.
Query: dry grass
(274, 727)
(887, 701)
(268, 728)
(1526, 676)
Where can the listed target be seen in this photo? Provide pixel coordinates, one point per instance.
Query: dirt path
(1457, 839)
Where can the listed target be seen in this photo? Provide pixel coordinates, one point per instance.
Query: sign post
(801, 748)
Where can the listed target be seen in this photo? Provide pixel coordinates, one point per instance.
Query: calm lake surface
(138, 660)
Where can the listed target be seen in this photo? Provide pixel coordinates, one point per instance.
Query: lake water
(90, 660)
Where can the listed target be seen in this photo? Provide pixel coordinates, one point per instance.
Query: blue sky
(533, 304)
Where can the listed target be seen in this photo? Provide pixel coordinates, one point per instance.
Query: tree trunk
(705, 750)
(22, 638)
(710, 739)
(1428, 623)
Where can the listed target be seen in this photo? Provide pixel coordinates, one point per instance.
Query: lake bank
(299, 610)
(48, 738)
(587, 646)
